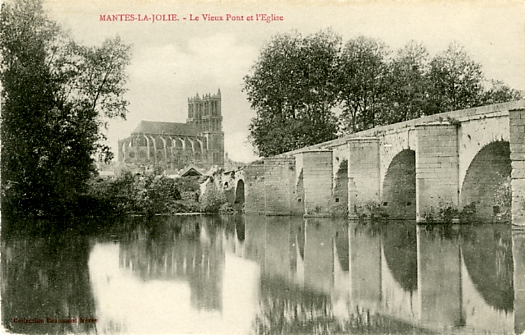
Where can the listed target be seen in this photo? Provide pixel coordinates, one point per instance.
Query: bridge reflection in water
(246, 274)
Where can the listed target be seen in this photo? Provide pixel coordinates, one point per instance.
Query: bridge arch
(476, 134)
(485, 179)
(239, 193)
(399, 186)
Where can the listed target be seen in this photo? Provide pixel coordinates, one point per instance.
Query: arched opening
(239, 194)
(399, 186)
(486, 187)
(299, 194)
(341, 189)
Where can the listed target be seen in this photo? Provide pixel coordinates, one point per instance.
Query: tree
(499, 92)
(57, 96)
(407, 84)
(292, 90)
(297, 82)
(362, 83)
(455, 81)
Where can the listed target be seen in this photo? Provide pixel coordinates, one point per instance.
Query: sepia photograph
(262, 167)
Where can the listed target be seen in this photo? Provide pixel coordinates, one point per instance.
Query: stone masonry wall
(517, 156)
(255, 201)
(317, 181)
(437, 167)
(279, 185)
(363, 173)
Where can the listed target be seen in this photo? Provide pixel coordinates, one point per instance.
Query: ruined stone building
(172, 145)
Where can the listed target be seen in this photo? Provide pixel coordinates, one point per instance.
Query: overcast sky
(172, 61)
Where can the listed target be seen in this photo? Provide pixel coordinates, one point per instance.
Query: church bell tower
(206, 113)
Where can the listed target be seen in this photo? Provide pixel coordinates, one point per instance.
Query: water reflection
(487, 277)
(174, 276)
(46, 278)
(256, 274)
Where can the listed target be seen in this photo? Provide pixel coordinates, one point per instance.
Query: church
(174, 146)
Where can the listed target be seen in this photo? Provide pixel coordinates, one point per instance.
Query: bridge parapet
(458, 115)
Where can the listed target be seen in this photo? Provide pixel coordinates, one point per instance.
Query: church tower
(206, 113)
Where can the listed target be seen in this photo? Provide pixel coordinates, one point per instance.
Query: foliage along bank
(154, 193)
(57, 96)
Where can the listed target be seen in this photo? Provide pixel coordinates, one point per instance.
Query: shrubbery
(212, 198)
(503, 199)
(370, 210)
(444, 213)
(145, 195)
(152, 194)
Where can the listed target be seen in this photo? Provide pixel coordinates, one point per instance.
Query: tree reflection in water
(46, 278)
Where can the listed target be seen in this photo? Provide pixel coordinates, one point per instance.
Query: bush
(188, 184)
(503, 199)
(468, 213)
(226, 208)
(157, 194)
(146, 195)
(370, 209)
(212, 199)
(120, 193)
(444, 213)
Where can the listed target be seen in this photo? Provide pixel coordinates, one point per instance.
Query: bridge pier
(255, 199)
(270, 187)
(317, 182)
(279, 185)
(363, 173)
(437, 168)
(517, 156)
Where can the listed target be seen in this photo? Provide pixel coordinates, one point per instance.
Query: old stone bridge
(468, 157)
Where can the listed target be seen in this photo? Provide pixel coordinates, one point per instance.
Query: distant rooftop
(168, 128)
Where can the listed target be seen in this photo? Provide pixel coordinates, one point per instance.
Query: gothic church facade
(174, 146)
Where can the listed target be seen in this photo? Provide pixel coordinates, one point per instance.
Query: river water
(255, 274)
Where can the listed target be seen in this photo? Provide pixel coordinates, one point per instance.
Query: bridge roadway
(408, 169)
